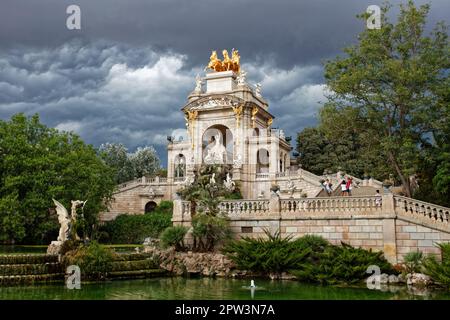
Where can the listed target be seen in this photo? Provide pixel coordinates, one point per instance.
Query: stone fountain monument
(66, 222)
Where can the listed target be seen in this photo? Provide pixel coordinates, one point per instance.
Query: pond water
(40, 249)
(206, 288)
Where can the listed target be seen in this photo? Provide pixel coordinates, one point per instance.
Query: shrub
(209, 230)
(135, 228)
(70, 245)
(174, 236)
(342, 264)
(94, 260)
(270, 254)
(413, 261)
(439, 271)
(164, 207)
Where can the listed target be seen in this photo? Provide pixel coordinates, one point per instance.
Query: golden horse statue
(214, 62)
(236, 60)
(227, 64)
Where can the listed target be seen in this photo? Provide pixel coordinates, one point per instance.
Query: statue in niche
(229, 183)
(180, 168)
(216, 153)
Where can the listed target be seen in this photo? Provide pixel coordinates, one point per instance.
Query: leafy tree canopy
(144, 161)
(388, 107)
(37, 164)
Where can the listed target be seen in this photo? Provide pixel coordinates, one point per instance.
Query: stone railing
(241, 207)
(386, 206)
(262, 176)
(331, 205)
(422, 210)
(143, 180)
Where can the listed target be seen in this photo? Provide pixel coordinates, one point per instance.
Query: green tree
(128, 166)
(115, 155)
(145, 162)
(315, 151)
(393, 78)
(37, 164)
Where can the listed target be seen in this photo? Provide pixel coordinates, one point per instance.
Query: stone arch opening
(150, 206)
(221, 151)
(262, 161)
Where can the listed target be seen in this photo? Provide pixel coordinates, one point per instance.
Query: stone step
(30, 269)
(27, 259)
(26, 279)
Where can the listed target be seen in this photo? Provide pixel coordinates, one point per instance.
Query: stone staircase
(26, 269)
(33, 268)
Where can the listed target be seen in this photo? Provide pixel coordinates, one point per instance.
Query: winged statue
(64, 220)
(67, 221)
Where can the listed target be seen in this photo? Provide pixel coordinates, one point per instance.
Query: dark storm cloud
(292, 32)
(125, 75)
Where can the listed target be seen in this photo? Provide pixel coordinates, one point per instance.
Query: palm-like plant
(209, 225)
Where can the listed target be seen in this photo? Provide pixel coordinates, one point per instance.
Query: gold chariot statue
(227, 63)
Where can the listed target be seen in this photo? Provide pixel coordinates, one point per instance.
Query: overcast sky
(125, 75)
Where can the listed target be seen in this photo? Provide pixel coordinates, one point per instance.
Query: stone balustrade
(244, 207)
(359, 205)
(262, 176)
(422, 210)
(147, 181)
(394, 224)
(331, 205)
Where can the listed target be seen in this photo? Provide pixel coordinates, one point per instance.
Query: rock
(55, 247)
(418, 279)
(287, 276)
(393, 278)
(401, 278)
(207, 264)
(384, 278)
(151, 242)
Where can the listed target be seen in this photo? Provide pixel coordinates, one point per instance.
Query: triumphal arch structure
(227, 121)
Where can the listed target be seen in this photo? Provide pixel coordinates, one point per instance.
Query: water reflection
(205, 288)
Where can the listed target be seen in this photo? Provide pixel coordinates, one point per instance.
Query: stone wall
(358, 221)
(413, 237)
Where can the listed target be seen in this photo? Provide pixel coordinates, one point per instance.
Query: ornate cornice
(216, 101)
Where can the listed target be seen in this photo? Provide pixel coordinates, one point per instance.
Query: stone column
(275, 211)
(177, 215)
(180, 218)
(274, 204)
(389, 232)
